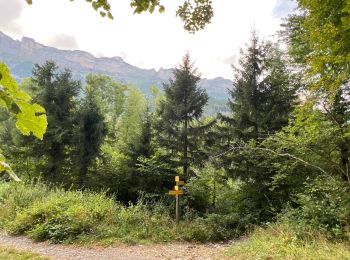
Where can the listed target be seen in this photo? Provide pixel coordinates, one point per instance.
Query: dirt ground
(142, 252)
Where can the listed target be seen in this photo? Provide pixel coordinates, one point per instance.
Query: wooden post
(177, 210)
(177, 192)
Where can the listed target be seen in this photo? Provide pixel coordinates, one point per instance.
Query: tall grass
(70, 216)
(280, 241)
(11, 254)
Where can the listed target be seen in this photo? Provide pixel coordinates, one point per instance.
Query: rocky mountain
(20, 56)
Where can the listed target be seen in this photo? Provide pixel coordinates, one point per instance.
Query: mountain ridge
(21, 55)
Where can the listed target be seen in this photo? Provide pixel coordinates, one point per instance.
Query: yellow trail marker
(176, 192)
(180, 183)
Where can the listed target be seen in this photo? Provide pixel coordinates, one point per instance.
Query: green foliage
(317, 39)
(111, 98)
(179, 128)
(30, 118)
(92, 131)
(283, 242)
(77, 216)
(210, 190)
(7, 253)
(324, 206)
(63, 216)
(131, 122)
(195, 14)
(56, 91)
(263, 94)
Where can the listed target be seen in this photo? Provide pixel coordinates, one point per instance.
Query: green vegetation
(84, 217)
(11, 254)
(279, 158)
(282, 242)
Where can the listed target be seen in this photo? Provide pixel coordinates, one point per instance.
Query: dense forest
(279, 155)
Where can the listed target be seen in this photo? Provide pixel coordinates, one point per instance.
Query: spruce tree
(263, 94)
(91, 133)
(57, 92)
(261, 101)
(179, 129)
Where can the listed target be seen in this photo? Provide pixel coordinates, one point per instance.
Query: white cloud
(64, 41)
(151, 40)
(10, 11)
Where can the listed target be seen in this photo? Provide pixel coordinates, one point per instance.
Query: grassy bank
(282, 242)
(11, 254)
(88, 217)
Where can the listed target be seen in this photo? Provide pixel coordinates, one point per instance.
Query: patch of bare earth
(160, 251)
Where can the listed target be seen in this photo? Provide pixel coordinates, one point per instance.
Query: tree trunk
(185, 166)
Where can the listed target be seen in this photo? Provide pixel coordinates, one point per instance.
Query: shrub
(83, 216)
(325, 206)
(280, 241)
(14, 197)
(63, 216)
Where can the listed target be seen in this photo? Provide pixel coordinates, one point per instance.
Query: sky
(146, 40)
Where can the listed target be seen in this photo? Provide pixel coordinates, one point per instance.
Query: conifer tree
(57, 92)
(92, 131)
(263, 94)
(180, 130)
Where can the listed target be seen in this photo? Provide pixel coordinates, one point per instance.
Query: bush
(14, 197)
(325, 206)
(280, 241)
(83, 216)
(212, 227)
(63, 216)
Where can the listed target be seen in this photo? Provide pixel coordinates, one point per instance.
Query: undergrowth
(11, 254)
(280, 241)
(71, 216)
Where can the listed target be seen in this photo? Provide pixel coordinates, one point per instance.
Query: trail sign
(176, 192)
(180, 183)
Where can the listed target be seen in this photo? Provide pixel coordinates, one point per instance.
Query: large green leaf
(30, 118)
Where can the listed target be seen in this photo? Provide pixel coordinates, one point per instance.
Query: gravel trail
(138, 252)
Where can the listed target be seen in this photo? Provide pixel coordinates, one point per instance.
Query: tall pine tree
(57, 91)
(180, 130)
(263, 94)
(91, 133)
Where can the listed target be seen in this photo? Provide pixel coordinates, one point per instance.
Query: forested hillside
(277, 161)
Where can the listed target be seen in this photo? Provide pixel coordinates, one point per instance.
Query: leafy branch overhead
(30, 118)
(195, 14)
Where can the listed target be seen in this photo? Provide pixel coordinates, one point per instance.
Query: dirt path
(166, 251)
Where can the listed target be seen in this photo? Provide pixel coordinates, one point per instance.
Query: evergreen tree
(92, 131)
(57, 92)
(262, 98)
(245, 96)
(144, 147)
(263, 94)
(180, 131)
